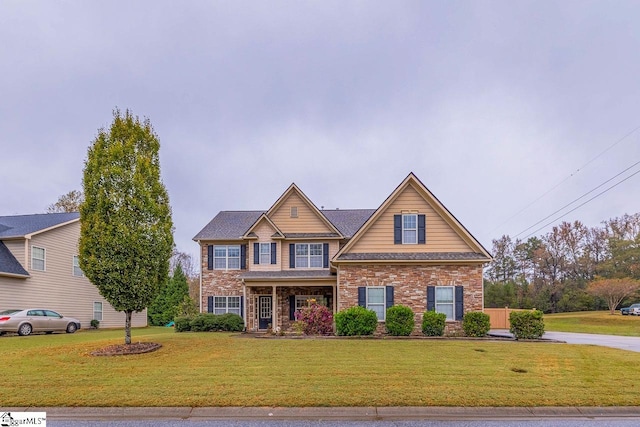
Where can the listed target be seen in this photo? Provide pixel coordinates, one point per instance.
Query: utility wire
(565, 179)
(575, 200)
(582, 204)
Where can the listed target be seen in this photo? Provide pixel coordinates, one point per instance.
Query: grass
(593, 322)
(217, 369)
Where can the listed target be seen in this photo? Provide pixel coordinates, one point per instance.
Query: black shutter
(274, 248)
(389, 291)
(292, 307)
(459, 302)
(256, 253)
(422, 235)
(431, 298)
(209, 304)
(241, 306)
(362, 296)
(243, 257)
(292, 255)
(325, 255)
(210, 257)
(397, 229)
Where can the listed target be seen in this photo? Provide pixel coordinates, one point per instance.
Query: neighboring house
(410, 251)
(39, 268)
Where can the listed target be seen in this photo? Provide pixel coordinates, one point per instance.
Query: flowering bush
(317, 319)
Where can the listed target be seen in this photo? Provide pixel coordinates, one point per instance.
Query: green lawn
(593, 322)
(217, 369)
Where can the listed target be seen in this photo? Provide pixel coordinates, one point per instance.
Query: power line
(565, 179)
(575, 200)
(579, 206)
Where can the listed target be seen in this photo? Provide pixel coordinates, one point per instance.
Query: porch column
(244, 304)
(274, 309)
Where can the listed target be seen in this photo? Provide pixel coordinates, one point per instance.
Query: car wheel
(71, 328)
(24, 329)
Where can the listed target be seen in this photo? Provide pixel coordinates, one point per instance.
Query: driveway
(614, 341)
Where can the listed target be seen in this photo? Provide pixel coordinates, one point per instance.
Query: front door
(264, 311)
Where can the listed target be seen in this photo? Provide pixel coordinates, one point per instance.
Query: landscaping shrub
(476, 324)
(356, 321)
(526, 324)
(183, 324)
(433, 323)
(95, 323)
(207, 322)
(316, 319)
(399, 320)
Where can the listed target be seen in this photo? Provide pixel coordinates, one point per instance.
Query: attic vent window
(294, 212)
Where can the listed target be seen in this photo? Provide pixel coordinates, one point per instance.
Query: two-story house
(265, 265)
(39, 268)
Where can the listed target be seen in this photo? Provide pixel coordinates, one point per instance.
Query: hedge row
(208, 322)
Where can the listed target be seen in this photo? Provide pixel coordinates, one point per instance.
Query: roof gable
(445, 234)
(262, 224)
(9, 265)
(228, 225)
(307, 219)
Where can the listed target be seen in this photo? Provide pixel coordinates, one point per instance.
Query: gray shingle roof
(414, 256)
(309, 235)
(9, 264)
(228, 225)
(287, 274)
(348, 221)
(232, 225)
(21, 225)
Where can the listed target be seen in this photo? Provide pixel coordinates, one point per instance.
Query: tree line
(567, 268)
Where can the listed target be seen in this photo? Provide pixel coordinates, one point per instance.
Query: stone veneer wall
(410, 285)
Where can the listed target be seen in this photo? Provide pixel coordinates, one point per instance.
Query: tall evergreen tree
(166, 306)
(126, 235)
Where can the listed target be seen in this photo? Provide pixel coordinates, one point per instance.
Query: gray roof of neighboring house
(232, 225)
(9, 264)
(287, 274)
(21, 225)
(417, 256)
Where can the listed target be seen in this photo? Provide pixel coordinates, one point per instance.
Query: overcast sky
(490, 103)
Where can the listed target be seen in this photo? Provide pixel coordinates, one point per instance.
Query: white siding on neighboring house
(57, 288)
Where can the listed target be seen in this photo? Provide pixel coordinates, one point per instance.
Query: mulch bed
(127, 349)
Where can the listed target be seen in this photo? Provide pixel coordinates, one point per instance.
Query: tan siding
(264, 231)
(17, 248)
(440, 236)
(307, 221)
(57, 288)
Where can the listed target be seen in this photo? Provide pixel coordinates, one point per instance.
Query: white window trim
(101, 311)
(383, 304)
(227, 257)
(268, 254)
(320, 299)
(74, 266)
(452, 304)
(308, 245)
(44, 258)
(410, 229)
(226, 304)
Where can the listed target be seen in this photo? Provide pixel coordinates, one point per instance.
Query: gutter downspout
(200, 302)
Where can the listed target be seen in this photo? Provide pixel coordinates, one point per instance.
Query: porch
(272, 299)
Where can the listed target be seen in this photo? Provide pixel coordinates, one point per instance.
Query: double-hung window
(265, 253)
(304, 300)
(409, 228)
(308, 255)
(226, 257)
(222, 305)
(77, 271)
(97, 310)
(444, 301)
(376, 301)
(37, 258)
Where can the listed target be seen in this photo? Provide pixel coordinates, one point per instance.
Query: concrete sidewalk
(329, 413)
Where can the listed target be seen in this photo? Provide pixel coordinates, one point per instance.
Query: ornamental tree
(613, 291)
(126, 229)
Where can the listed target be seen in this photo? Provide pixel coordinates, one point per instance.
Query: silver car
(24, 322)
